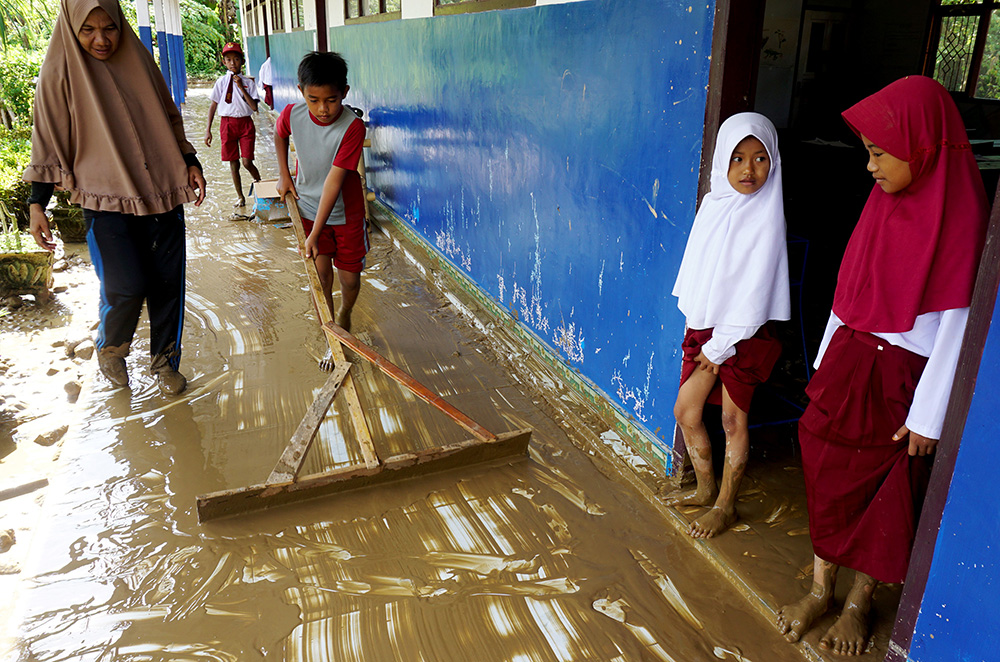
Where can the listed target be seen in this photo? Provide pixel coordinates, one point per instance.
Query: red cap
(232, 47)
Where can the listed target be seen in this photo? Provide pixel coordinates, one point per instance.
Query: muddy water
(542, 559)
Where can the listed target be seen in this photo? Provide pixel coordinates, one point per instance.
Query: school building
(551, 153)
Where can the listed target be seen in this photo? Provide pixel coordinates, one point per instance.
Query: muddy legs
(849, 633)
(794, 619)
(688, 411)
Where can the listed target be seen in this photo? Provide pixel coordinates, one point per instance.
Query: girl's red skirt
(863, 490)
(740, 374)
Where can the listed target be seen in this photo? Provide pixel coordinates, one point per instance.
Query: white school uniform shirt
(734, 274)
(238, 107)
(264, 75)
(938, 336)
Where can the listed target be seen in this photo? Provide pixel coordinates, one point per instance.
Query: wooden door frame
(973, 343)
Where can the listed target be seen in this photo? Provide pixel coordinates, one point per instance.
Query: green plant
(26, 22)
(204, 37)
(11, 240)
(18, 69)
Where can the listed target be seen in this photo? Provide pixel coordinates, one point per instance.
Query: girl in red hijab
(888, 358)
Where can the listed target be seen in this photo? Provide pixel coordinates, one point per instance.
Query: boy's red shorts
(238, 135)
(347, 243)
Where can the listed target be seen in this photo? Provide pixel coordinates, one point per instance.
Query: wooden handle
(404, 378)
(326, 317)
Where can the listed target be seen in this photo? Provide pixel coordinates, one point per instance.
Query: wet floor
(541, 559)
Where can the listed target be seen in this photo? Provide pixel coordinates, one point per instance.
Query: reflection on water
(540, 560)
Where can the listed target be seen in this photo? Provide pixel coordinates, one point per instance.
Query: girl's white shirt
(938, 336)
(734, 274)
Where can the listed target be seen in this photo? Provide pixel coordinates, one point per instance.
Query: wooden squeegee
(284, 485)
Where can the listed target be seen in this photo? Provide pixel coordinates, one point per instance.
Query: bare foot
(795, 619)
(698, 497)
(712, 523)
(849, 633)
(344, 319)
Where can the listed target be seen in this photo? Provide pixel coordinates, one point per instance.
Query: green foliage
(988, 86)
(15, 154)
(27, 23)
(18, 70)
(204, 36)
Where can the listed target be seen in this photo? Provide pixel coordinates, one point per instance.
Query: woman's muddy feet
(795, 619)
(712, 523)
(697, 497)
(849, 633)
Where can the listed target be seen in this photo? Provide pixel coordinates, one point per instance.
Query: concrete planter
(68, 219)
(26, 273)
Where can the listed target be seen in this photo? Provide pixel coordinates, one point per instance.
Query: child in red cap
(236, 97)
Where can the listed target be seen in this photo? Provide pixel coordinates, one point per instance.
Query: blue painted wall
(958, 615)
(551, 153)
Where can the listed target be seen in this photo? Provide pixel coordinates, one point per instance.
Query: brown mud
(540, 559)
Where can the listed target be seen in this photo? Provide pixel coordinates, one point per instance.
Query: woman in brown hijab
(107, 131)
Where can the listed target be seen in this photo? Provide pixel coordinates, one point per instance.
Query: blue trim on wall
(550, 153)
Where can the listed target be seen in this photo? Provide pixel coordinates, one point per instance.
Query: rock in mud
(13, 302)
(72, 390)
(7, 540)
(85, 350)
(52, 436)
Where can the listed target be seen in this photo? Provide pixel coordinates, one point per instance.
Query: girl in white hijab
(733, 280)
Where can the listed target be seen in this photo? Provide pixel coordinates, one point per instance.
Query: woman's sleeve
(722, 345)
(930, 400)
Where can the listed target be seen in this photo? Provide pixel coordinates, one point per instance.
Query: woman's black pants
(139, 258)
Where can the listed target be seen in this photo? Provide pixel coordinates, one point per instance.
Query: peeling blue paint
(534, 147)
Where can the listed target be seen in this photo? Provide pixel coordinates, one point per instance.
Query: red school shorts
(238, 135)
(347, 244)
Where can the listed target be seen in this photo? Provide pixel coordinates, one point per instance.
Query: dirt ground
(549, 558)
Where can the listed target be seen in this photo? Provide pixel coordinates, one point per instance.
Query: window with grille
(463, 6)
(361, 8)
(251, 19)
(298, 14)
(965, 54)
(277, 16)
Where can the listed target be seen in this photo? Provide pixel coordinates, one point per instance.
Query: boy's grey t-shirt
(316, 148)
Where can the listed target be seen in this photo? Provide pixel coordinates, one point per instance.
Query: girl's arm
(832, 325)
(930, 400)
(722, 345)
